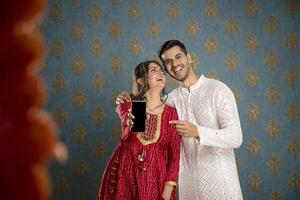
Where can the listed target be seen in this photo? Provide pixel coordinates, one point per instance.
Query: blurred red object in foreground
(27, 134)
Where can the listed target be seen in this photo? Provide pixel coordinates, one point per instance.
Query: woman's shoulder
(170, 110)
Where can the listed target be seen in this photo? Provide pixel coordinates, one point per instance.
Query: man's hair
(168, 45)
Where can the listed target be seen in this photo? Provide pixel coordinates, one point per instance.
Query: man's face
(177, 63)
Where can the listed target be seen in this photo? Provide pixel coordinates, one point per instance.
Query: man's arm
(230, 133)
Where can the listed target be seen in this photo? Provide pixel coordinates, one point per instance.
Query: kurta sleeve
(122, 110)
(229, 135)
(173, 152)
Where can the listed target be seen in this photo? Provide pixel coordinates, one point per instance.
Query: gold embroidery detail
(78, 65)
(251, 8)
(195, 61)
(251, 43)
(292, 76)
(156, 136)
(75, 2)
(114, 2)
(274, 164)
(294, 146)
(96, 47)
(292, 7)
(77, 30)
(275, 195)
(116, 64)
(213, 74)
(134, 12)
(99, 149)
(135, 46)
(211, 44)
(253, 147)
(255, 181)
(62, 185)
(56, 13)
(58, 82)
(294, 181)
(172, 11)
(252, 77)
(231, 26)
(57, 48)
(115, 95)
(231, 61)
(272, 94)
(153, 29)
(273, 129)
(60, 115)
(293, 111)
(97, 81)
(117, 131)
(79, 133)
(253, 112)
(292, 41)
(271, 25)
(192, 1)
(115, 30)
(95, 12)
(192, 28)
(211, 9)
(79, 99)
(97, 116)
(271, 60)
(80, 167)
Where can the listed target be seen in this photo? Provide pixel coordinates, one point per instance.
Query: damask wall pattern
(252, 46)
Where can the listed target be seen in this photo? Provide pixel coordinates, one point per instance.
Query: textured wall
(252, 46)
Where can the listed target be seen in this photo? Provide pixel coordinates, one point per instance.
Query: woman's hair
(140, 80)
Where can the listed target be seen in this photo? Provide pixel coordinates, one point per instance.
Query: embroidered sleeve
(229, 135)
(173, 153)
(122, 110)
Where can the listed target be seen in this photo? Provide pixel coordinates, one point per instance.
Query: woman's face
(156, 76)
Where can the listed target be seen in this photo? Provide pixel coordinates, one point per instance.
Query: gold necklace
(152, 109)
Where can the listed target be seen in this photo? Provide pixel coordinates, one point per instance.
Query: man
(210, 128)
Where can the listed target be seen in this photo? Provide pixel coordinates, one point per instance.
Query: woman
(144, 165)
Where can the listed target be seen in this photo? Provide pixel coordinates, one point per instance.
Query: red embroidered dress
(143, 163)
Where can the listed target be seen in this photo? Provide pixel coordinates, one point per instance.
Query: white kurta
(207, 166)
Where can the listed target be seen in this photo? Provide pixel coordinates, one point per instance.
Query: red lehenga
(139, 168)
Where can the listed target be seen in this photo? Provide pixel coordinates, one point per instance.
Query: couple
(196, 139)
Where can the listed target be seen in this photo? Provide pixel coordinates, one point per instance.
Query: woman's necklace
(152, 109)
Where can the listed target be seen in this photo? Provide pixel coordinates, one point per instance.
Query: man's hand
(123, 97)
(186, 128)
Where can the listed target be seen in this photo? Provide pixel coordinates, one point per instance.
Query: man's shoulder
(216, 87)
(214, 83)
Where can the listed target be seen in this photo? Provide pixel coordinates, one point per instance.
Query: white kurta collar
(193, 87)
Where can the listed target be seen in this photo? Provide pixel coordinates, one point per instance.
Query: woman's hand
(167, 192)
(123, 97)
(129, 121)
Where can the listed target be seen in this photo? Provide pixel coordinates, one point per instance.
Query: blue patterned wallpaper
(252, 46)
